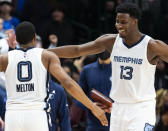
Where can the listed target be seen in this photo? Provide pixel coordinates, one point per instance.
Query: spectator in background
(37, 12)
(1, 124)
(161, 76)
(2, 31)
(77, 117)
(107, 20)
(2, 104)
(60, 26)
(96, 75)
(5, 12)
(58, 111)
(161, 99)
(39, 43)
(53, 41)
(163, 123)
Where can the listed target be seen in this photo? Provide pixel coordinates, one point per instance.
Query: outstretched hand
(100, 114)
(2, 124)
(11, 38)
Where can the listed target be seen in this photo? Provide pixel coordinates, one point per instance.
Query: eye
(124, 22)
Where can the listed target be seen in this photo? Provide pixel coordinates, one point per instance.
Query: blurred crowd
(67, 22)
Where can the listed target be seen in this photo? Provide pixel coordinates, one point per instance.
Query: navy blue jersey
(58, 108)
(2, 102)
(96, 76)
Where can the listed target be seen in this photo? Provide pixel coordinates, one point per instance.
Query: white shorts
(133, 117)
(26, 120)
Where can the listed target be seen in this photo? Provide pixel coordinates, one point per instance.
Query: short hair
(132, 9)
(25, 32)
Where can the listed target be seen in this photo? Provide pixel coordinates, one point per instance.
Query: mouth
(121, 31)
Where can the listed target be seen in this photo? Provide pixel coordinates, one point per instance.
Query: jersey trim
(25, 49)
(130, 46)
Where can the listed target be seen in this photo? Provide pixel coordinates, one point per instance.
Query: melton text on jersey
(24, 87)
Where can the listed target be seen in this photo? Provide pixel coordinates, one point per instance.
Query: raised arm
(90, 48)
(158, 50)
(52, 63)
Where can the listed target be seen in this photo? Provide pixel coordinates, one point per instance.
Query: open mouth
(121, 31)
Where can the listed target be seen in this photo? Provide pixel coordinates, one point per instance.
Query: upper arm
(90, 48)
(52, 64)
(3, 62)
(158, 49)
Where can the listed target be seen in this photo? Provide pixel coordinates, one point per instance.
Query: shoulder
(46, 55)
(154, 44)
(106, 41)
(90, 66)
(88, 70)
(106, 38)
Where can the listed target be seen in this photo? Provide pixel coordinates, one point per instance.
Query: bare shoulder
(107, 41)
(156, 45)
(106, 38)
(47, 57)
(47, 54)
(157, 49)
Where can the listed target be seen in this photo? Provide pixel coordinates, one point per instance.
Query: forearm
(75, 90)
(72, 51)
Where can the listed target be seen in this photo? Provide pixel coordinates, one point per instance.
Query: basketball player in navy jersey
(134, 56)
(25, 71)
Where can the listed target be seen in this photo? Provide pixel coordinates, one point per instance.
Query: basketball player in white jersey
(134, 56)
(26, 77)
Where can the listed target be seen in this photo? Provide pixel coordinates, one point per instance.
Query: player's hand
(2, 124)
(104, 107)
(11, 38)
(100, 114)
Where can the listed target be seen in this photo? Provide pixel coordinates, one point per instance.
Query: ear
(34, 40)
(136, 21)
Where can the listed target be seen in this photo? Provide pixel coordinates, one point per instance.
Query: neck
(133, 37)
(107, 61)
(26, 45)
(6, 16)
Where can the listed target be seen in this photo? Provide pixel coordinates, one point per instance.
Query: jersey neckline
(130, 46)
(25, 49)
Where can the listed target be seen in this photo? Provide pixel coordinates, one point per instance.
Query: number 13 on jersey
(126, 72)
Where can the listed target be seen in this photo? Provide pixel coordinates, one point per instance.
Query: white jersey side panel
(26, 79)
(132, 74)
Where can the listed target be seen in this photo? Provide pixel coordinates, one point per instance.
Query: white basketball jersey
(132, 74)
(26, 79)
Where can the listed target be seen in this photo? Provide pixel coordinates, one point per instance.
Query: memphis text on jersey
(128, 60)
